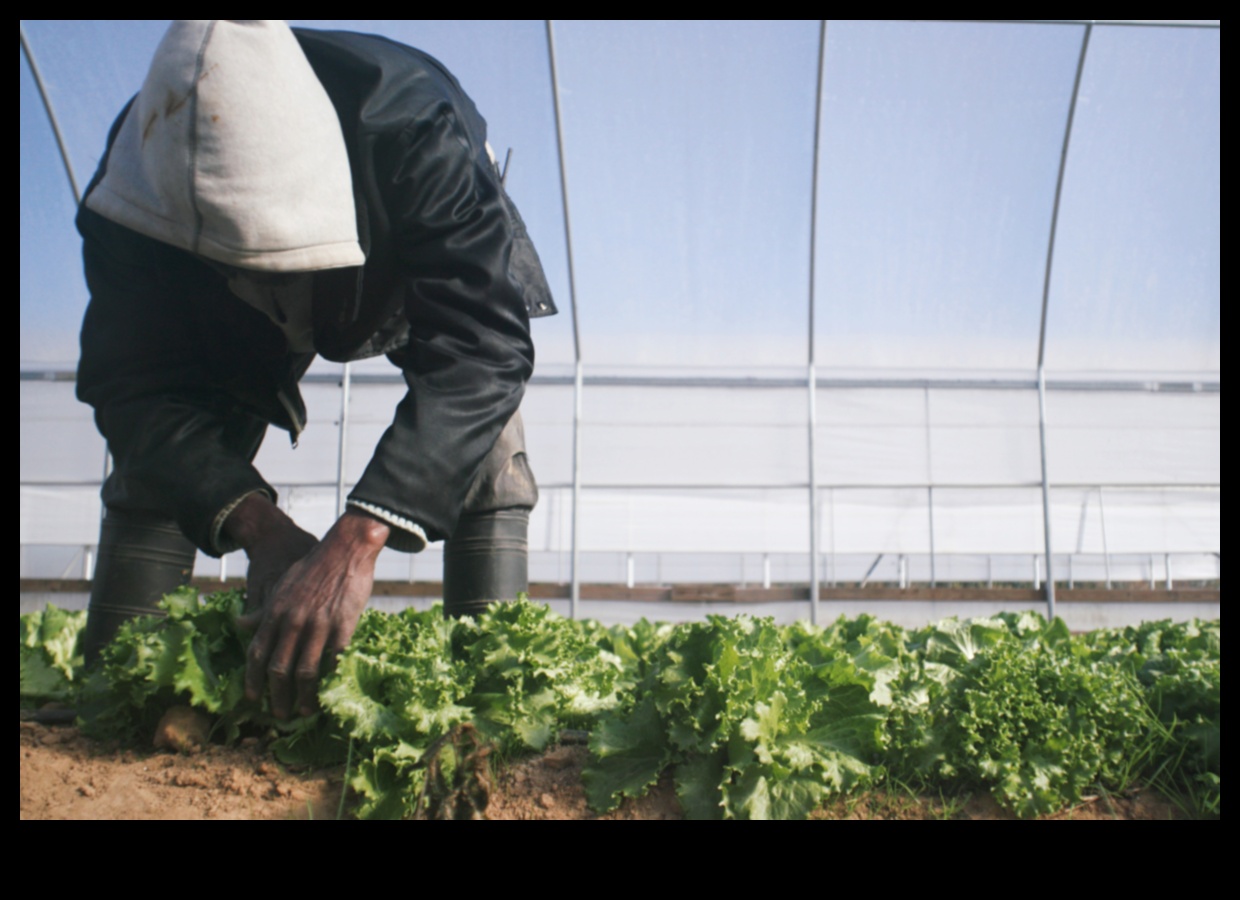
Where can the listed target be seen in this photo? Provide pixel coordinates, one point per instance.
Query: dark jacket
(184, 376)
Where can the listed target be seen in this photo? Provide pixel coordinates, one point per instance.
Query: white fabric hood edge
(233, 151)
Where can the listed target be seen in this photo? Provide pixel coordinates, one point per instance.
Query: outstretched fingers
(270, 663)
(257, 654)
(284, 666)
(309, 663)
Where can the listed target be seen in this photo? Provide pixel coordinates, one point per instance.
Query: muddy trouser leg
(142, 556)
(487, 557)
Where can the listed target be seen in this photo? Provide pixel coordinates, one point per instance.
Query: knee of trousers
(505, 480)
(141, 557)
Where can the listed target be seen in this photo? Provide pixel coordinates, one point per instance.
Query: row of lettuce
(752, 719)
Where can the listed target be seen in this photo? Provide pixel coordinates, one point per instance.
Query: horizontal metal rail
(771, 486)
(705, 592)
(1122, 23)
(1146, 385)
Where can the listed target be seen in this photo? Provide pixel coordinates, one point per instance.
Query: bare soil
(65, 775)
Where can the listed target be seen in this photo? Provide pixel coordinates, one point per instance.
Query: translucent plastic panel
(689, 162)
(547, 412)
(53, 294)
(694, 436)
(1116, 437)
(1006, 520)
(1092, 521)
(59, 441)
(880, 436)
(670, 521)
(551, 522)
(1136, 283)
(1147, 520)
(870, 436)
(1076, 520)
(984, 437)
(941, 144)
(59, 515)
(90, 69)
(874, 520)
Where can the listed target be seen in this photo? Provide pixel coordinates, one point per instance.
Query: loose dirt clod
(182, 729)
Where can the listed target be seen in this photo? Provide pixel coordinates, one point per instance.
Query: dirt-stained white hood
(232, 150)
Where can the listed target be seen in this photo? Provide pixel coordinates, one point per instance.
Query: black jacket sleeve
(161, 342)
(469, 353)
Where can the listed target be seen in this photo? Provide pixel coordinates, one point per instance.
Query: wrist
(253, 519)
(361, 531)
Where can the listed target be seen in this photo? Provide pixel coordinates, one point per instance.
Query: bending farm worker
(273, 194)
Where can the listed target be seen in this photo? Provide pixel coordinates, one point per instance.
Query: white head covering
(233, 151)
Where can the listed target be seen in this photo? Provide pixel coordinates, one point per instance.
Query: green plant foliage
(50, 654)
(535, 673)
(751, 720)
(193, 655)
(1179, 667)
(752, 728)
(518, 675)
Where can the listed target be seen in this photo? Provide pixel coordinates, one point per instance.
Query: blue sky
(689, 156)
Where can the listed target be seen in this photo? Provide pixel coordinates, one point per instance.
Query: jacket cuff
(220, 542)
(406, 536)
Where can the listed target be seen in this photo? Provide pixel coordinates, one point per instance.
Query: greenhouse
(850, 313)
(847, 448)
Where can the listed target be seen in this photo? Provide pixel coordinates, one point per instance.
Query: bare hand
(271, 558)
(310, 613)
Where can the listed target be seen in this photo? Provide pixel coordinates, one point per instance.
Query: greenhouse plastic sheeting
(688, 169)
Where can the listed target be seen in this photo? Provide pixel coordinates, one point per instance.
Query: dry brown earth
(64, 775)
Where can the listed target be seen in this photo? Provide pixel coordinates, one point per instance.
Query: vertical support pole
(54, 121)
(88, 563)
(1102, 519)
(1046, 289)
(51, 114)
(629, 570)
(766, 571)
(1167, 569)
(1046, 497)
(223, 568)
(903, 571)
(814, 586)
(346, 385)
(1037, 572)
(811, 376)
(1151, 562)
(575, 568)
(575, 576)
(1071, 583)
(930, 505)
(831, 571)
(990, 572)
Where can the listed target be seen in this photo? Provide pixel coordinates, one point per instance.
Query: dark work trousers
(143, 555)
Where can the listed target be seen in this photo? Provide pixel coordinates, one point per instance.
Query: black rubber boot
(486, 560)
(487, 557)
(142, 556)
